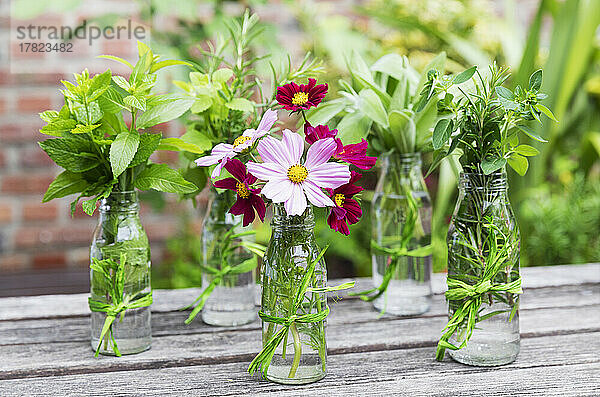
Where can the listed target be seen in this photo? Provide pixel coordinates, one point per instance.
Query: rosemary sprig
(263, 360)
(114, 275)
(467, 314)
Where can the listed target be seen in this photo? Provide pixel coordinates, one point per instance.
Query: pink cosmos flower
(224, 151)
(292, 183)
(356, 154)
(296, 97)
(347, 211)
(248, 199)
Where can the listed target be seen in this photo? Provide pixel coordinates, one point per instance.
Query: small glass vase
(119, 232)
(231, 303)
(301, 357)
(401, 228)
(483, 232)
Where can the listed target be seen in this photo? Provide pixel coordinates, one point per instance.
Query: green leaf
(508, 104)
(222, 75)
(518, 163)
(393, 65)
(354, 127)
(465, 75)
(114, 58)
(177, 145)
(66, 183)
(546, 111)
(526, 150)
(57, 127)
(74, 155)
(197, 138)
(535, 80)
(121, 82)
(141, 68)
(201, 104)
(135, 102)
(169, 62)
(84, 129)
(122, 151)
(505, 93)
(198, 176)
(531, 133)
(491, 164)
(441, 133)
(359, 68)
(370, 105)
(325, 111)
(162, 178)
(89, 206)
(165, 108)
(148, 144)
(49, 116)
(241, 104)
(438, 63)
(198, 79)
(99, 84)
(111, 101)
(403, 130)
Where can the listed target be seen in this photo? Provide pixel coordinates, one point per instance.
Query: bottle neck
(283, 223)
(399, 172)
(477, 183)
(126, 202)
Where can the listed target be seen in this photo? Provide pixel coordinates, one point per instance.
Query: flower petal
(236, 168)
(315, 195)
(320, 152)
(240, 206)
(296, 204)
(217, 171)
(294, 144)
(338, 224)
(267, 171)
(329, 175)
(272, 150)
(278, 190)
(219, 152)
(259, 205)
(227, 183)
(268, 119)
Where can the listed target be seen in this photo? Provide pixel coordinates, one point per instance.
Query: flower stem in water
(297, 351)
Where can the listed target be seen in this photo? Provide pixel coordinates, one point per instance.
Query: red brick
(26, 183)
(2, 159)
(159, 231)
(2, 106)
(36, 237)
(16, 52)
(19, 133)
(49, 260)
(34, 103)
(5, 213)
(79, 257)
(37, 79)
(165, 157)
(126, 49)
(36, 211)
(14, 262)
(35, 158)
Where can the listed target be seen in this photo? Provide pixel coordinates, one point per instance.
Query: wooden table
(44, 348)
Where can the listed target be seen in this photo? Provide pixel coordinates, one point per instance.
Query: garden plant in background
(293, 179)
(107, 160)
(484, 281)
(225, 115)
(380, 106)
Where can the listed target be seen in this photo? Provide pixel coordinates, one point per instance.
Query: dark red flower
(347, 211)
(247, 197)
(296, 97)
(356, 154)
(313, 134)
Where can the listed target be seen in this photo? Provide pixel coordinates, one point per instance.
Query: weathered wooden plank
(558, 365)
(241, 345)
(343, 312)
(169, 300)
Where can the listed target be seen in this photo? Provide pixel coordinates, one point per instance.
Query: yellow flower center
(240, 139)
(242, 190)
(300, 98)
(339, 199)
(297, 173)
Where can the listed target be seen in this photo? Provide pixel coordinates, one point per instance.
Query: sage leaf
(441, 133)
(518, 163)
(535, 80)
(465, 75)
(526, 150)
(122, 151)
(491, 164)
(504, 92)
(370, 105)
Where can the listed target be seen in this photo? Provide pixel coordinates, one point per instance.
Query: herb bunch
(484, 125)
(98, 150)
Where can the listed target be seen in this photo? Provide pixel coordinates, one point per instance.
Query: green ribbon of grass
(263, 360)
(114, 275)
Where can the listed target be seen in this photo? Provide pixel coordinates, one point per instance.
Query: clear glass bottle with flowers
(295, 174)
(484, 282)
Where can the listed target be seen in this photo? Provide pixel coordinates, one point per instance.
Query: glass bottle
(231, 303)
(482, 214)
(120, 231)
(301, 357)
(401, 222)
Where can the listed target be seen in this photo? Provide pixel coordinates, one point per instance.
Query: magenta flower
(248, 199)
(347, 211)
(355, 153)
(224, 151)
(296, 97)
(313, 134)
(292, 183)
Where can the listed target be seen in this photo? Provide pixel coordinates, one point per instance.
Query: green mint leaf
(241, 104)
(75, 155)
(49, 116)
(66, 183)
(535, 80)
(162, 178)
(178, 145)
(57, 127)
(201, 104)
(84, 129)
(148, 144)
(222, 75)
(121, 82)
(135, 102)
(465, 75)
(122, 151)
(164, 108)
(120, 60)
(171, 62)
(99, 84)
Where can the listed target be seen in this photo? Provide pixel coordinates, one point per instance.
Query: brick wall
(41, 236)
